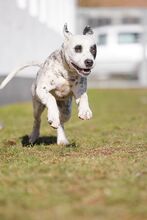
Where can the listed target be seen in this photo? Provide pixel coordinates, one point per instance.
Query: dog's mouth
(82, 71)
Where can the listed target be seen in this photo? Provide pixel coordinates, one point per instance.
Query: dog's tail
(12, 74)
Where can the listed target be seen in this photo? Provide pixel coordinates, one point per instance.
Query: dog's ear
(87, 30)
(66, 32)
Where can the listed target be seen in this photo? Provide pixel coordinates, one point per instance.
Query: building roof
(112, 3)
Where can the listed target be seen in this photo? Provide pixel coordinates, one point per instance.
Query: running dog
(62, 76)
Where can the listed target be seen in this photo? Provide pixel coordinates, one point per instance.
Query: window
(98, 22)
(131, 20)
(128, 38)
(102, 39)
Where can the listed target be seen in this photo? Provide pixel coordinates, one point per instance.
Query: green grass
(102, 175)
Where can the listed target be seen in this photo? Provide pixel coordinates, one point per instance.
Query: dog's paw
(33, 137)
(62, 141)
(85, 114)
(53, 120)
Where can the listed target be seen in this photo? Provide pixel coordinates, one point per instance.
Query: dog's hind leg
(65, 113)
(38, 108)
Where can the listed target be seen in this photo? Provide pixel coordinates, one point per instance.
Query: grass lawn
(102, 175)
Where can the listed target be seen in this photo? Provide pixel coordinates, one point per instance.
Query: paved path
(113, 84)
(18, 90)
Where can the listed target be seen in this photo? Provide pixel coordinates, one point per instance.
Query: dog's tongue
(85, 72)
(81, 70)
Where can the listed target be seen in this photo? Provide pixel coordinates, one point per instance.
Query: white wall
(30, 31)
(52, 12)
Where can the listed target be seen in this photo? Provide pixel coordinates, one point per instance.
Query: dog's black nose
(88, 63)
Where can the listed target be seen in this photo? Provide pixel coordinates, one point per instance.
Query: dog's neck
(72, 74)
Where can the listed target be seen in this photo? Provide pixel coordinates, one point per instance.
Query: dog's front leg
(79, 92)
(50, 102)
(85, 112)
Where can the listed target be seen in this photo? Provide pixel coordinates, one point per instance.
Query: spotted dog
(62, 76)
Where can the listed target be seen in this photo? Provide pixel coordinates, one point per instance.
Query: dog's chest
(63, 88)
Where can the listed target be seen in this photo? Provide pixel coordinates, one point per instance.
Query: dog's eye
(93, 50)
(78, 49)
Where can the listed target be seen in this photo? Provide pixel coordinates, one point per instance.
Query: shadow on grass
(44, 140)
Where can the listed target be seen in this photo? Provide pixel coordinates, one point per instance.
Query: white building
(105, 16)
(109, 16)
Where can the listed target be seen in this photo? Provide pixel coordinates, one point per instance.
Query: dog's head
(80, 50)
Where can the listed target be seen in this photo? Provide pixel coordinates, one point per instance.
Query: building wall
(31, 33)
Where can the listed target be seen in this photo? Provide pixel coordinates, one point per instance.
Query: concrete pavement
(18, 90)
